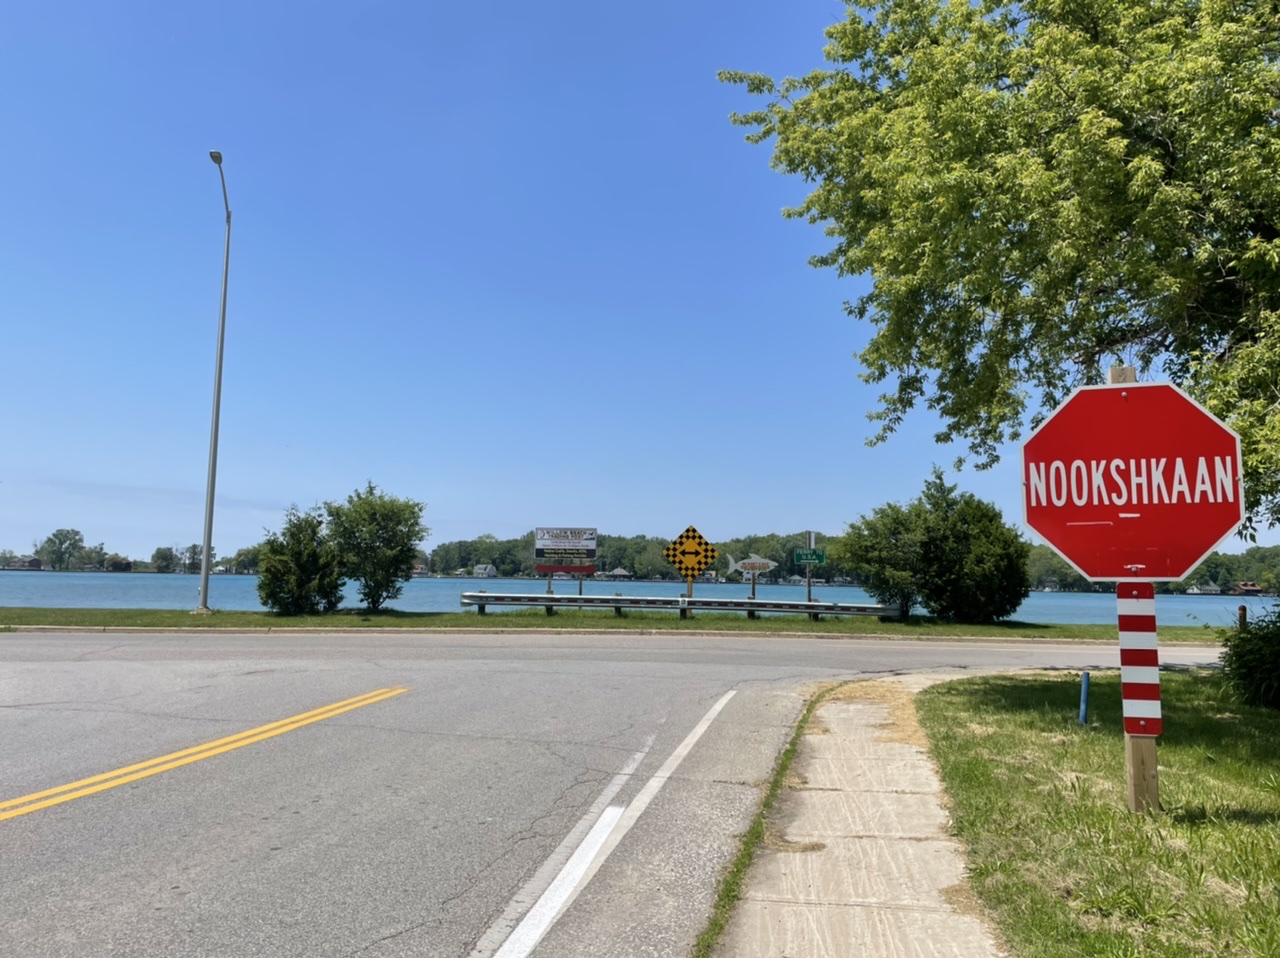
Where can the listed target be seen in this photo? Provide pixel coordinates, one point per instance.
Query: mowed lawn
(1062, 865)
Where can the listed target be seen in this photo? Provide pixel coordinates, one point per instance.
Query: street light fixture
(217, 400)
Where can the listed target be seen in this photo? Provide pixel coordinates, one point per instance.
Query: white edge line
(541, 916)
(614, 822)
(660, 777)
(528, 896)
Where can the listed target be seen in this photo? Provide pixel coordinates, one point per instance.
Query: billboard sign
(562, 549)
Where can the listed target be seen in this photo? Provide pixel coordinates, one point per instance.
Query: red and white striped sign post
(1134, 483)
(1140, 691)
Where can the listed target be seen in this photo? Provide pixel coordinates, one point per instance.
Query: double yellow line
(131, 773)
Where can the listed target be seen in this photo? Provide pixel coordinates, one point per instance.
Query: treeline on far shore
(639, 556)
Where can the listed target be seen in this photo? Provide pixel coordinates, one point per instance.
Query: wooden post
(1243, 613)
(1121, 374)
(1141, 775)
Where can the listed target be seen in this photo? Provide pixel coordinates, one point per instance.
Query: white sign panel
(564, 544)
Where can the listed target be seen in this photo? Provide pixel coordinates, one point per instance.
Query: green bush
(1251, 659)
(376, 537)
(949, 552)
(298, 567)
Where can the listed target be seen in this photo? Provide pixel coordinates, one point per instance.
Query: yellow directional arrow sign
(690, 553)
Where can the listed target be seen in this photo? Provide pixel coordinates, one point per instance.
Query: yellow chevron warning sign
(690, 553)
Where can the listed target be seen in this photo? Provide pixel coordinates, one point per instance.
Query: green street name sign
(811, 556)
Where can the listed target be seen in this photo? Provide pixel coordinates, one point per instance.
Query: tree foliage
(245, 561)
(640, 555)
(114, 562)
(885, 548)
(60, 549)
(190, 558)
(377, 538)
(299, 567)
(92, 557)
(974, 566)
(164, 559)
(1039, 188)
(946, 551)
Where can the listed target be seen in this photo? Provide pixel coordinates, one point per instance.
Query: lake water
(142, 590)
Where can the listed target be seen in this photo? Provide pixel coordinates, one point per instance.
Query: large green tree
(949, 552)
(246, 560)
(165, 559)
(1038, 189)
(973, 567)
(377, 538)
(60, 549)
(884, 548)
(92, 557)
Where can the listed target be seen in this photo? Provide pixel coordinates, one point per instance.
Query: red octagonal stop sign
(1132, 481)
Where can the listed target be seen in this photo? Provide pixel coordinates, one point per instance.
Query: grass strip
(730, 890)
(1054, 853)
(595, 620)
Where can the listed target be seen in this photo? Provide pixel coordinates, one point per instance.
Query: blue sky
(512, 261)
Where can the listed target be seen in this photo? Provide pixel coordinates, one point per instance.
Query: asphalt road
(423, 822)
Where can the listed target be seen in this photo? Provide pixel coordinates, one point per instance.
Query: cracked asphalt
(405, 827)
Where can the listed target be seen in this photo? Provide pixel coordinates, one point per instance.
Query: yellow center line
(131, 773)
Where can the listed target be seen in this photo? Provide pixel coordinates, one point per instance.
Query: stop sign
(1132, 481)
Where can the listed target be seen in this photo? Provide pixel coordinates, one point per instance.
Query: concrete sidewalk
(864, 866)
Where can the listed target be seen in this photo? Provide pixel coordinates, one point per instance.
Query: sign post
(809, 557)
(1134, 483)
(752, 565)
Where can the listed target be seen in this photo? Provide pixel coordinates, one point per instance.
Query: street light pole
(217, 400)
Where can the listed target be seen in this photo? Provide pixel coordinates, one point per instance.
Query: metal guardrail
(683, 604)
